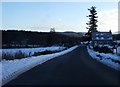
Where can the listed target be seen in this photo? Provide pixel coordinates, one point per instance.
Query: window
(102, 38)
(110, 38)
(96, 34)
(97, 38)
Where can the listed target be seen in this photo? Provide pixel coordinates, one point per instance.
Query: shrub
(43, 53)
(20, 55)
(7, 56)
(103, 49)
(99, 56)
(116, 61)
(17, 55)
(68, 45)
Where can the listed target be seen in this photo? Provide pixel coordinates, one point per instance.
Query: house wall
(94, 43)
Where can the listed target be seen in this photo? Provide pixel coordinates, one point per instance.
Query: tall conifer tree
(92, 24)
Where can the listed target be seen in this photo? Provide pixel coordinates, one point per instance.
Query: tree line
(15, 38)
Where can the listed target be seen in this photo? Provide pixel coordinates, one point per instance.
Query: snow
(12, 68)
(0, 74)
(31, 51)
(106, 58)
(118, 50)
(85, 42)
(118, 41)
(106, 45)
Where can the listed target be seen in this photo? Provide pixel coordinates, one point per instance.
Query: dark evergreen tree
(92, 24)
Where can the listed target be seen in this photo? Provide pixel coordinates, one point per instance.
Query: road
(74, 68)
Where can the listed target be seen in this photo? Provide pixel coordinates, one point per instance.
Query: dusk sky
(63, 16)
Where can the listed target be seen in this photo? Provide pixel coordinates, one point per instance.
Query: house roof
(103, 36)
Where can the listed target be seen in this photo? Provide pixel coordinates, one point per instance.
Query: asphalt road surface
(74, 68)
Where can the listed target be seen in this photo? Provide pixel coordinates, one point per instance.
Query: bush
(43, 53)
(116, 61)
(99, 56)
(68, 45)
(17, 55)
(20, 55)
(7, 56)
(103, 49)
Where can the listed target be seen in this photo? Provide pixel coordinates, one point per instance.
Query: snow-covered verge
(118, 50)
(0, 69)
(0, 74)
(118, 41)
(106, 58)
(31, 51)
(12, 68)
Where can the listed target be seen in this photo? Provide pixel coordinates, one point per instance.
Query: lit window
(97, 37)
(96, 34)
(102, 37)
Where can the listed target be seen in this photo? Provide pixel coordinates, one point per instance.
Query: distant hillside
(72, 34)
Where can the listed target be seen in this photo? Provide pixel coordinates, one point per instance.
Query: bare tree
(52, 30)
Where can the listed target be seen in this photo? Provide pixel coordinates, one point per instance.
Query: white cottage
(102, 38)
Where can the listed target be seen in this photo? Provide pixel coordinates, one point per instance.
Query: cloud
(108, 20)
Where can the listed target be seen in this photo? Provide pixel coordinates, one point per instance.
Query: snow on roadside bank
(0, 75)
(31, 51)
(106, 58)
(13, 68)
